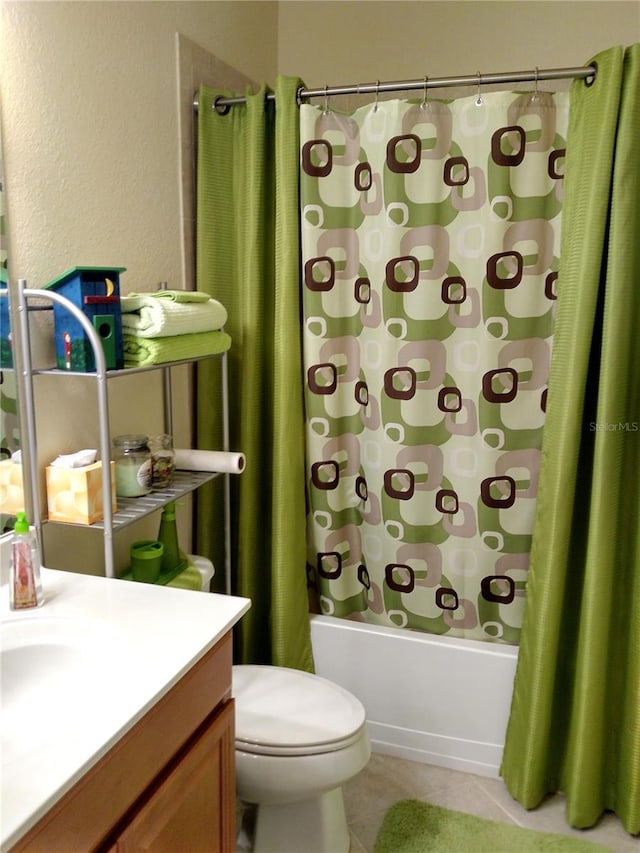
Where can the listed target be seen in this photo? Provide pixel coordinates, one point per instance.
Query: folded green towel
(148, 317)
(140, 352)
(190, 578)
(186, 578)
(176, 295)
(183, 295)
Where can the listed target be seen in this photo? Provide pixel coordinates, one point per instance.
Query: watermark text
(614, 426)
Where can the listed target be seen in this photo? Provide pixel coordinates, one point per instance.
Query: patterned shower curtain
(430, 243)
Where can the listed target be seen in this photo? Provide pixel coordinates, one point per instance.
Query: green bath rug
(412, 826)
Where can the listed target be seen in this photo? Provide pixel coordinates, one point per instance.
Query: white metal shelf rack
(129, 509)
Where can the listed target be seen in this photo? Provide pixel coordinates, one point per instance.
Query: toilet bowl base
(315, 825)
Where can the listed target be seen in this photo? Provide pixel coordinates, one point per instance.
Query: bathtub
(435, 699)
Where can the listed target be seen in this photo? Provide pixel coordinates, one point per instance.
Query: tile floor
(386, 780)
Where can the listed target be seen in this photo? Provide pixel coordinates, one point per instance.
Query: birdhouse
(96, 292)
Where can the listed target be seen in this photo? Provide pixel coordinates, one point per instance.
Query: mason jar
(163, 460)
(133, 465)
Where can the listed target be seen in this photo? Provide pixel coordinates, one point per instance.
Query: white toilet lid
(284, 711)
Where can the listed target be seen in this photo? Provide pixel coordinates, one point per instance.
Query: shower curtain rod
(222, 104)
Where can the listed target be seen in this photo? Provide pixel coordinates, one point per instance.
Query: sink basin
(50, 671)
(37, 667)
(41, 655)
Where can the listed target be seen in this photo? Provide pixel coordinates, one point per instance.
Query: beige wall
(334, 42)
(90, 126)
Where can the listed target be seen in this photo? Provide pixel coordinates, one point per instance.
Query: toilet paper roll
(210, 460)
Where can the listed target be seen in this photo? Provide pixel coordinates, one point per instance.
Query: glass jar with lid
(163, 460)
(133, 465)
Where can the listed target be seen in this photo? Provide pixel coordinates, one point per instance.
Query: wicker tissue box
(74, 495)
(11, 491)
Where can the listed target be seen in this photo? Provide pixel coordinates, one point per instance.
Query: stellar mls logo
(619, 426)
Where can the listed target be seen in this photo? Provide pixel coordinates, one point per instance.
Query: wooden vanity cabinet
(168, 786)
(185, 810)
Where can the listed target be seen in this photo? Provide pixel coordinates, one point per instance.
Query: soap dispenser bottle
(26, 585)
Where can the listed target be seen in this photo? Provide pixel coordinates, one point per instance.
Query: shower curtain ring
(221, 109)
(535, 89)
(425, 99)
(479, 97)
(326, 100)
(375, 106)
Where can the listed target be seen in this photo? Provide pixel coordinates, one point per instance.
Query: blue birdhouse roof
(74, 272)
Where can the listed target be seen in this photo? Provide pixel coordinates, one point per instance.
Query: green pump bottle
(172, 558)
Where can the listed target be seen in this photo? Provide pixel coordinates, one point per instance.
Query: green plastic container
(146, 560)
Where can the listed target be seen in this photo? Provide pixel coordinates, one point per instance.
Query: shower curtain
(483, 247)
(248, 258)
(575, 717)
(430, 244)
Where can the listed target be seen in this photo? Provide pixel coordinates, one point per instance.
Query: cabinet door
(192, 809)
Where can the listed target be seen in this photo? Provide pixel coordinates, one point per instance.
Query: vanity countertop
(81, 670)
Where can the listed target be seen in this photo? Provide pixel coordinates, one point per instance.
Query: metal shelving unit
(133, 509)
(129, 509)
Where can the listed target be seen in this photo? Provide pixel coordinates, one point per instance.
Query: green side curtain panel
(575, 717)
(248, 258)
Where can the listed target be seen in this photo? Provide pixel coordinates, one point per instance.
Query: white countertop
(127, 645)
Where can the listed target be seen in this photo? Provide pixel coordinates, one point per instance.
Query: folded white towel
(147, 316)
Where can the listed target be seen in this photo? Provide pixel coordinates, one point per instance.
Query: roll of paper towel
(210, 460)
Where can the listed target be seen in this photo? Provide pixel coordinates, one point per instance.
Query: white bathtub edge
(483, 759)
(433, 699)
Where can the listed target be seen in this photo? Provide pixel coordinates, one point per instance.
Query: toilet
(299, 738)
